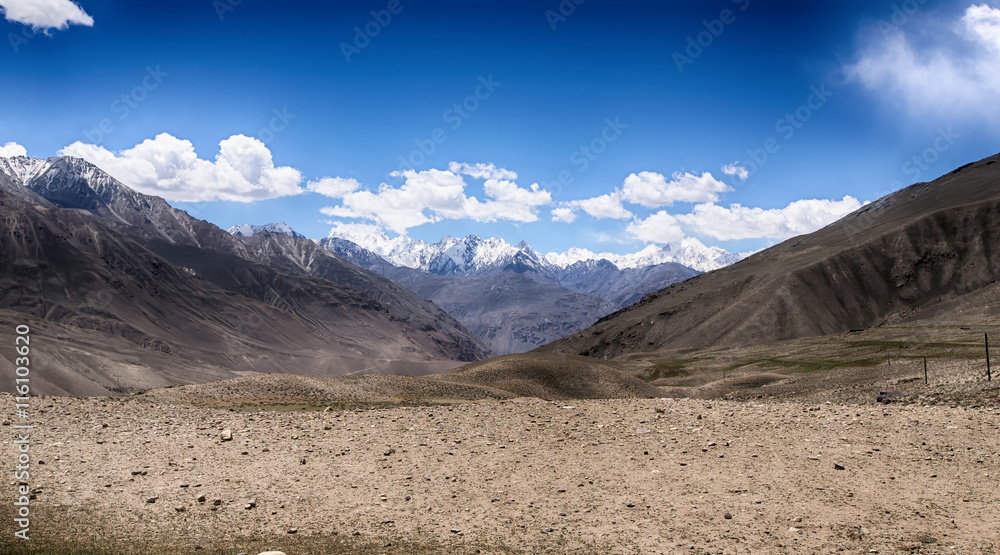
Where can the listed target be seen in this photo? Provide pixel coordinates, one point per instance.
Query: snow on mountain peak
(247, 230)
(474, 254)
(22, 169)
(688, 252)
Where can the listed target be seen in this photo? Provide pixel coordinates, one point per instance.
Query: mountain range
(511, 297)
(123, 292)
(128, 293)
(474, 255)
(926, 254)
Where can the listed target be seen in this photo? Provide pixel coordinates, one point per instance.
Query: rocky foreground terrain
(143, 474)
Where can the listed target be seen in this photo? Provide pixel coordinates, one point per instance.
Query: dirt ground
(125, 475)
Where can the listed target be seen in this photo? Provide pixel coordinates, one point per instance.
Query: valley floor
(134, 475)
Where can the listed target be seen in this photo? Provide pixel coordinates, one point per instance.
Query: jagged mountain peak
(475, 255)
(248, 230)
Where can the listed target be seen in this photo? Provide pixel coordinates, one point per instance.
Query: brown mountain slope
(73, 183)
(905, 257)
(110, 315)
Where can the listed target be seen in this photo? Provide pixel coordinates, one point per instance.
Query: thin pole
(989, 374)
(925, 370)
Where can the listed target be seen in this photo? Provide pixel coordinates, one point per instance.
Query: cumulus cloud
(602, 207)
(433, 195)
(166, 166)
(367, 235)
(736, 169)
(953, 75)
(334, 187)
(482, 171)
(660, 227)
(564, 214)
(12, 149)
(45, 14)
(742, 222)
(652, 190)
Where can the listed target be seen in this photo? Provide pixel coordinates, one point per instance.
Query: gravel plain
(132, 474)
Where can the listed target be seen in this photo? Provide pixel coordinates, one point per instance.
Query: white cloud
(334, 187)
(736, 169)
(564, 214)
(366, 235)
(432, 195)
(660, 227)
(983, 22)
(742, 222)
(482, 171)
(652, 190)
(12, 149)
(602, 207)
(954, 75)
(166, 166)
(45, 14)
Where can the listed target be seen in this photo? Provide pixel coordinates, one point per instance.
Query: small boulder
(887, 397)
(227, 435)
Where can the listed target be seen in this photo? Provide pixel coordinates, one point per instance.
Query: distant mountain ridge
(474, 255)
(924, 255)
(247, 230)
(510, 297)
(129, 293)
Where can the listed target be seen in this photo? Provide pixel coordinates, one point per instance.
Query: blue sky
(597, 124)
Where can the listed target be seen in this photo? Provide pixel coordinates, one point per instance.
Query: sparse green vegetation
(667, 369)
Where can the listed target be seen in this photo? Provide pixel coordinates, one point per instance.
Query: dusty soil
(518, 475)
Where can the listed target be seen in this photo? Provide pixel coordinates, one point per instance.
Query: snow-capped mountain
(72, 182)
(474, 255)
(688, 252)
(247, 230)
(469, 256)
(22, 169)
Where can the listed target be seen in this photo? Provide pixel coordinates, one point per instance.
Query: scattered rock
(151, 499)
(227, 435)
(728, 516)
(887, 397)
(838, 466)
